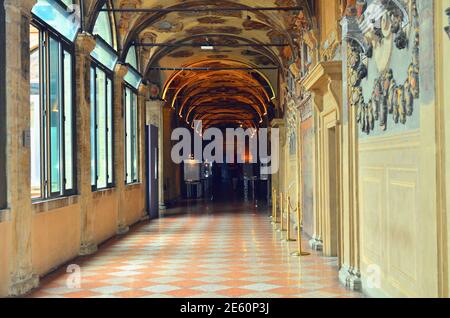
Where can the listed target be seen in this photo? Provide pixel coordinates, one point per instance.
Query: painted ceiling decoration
(246, 45)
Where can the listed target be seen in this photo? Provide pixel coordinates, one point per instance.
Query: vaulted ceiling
(236, 82)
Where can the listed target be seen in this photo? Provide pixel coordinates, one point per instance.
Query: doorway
(152, 155)
(332, 189)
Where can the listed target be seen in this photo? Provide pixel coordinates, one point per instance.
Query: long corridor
(206, 251)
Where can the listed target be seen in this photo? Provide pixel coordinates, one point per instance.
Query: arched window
(102, 128)
(52, 142)
(102, 27)
(133, 77)
(132, 57)
(105, 51)
(132, 81)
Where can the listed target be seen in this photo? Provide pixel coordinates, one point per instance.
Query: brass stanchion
(299, 252)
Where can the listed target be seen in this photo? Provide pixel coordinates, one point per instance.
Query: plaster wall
(55, 238)
(5, 242)
(307, 182)
(397, 180)
(105, 207)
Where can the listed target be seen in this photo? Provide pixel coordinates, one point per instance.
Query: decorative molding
(405, 140)
(320, 76)
(306, 108)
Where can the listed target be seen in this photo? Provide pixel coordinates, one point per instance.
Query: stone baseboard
(350, 280)
(316, 245)
(122, 230)
(88, 249)
(24, 285)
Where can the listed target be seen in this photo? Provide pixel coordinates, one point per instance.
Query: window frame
(46, 33)
(134, 91)
(109, 75)
(36, 20)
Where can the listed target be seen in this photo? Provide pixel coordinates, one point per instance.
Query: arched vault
(217, 61)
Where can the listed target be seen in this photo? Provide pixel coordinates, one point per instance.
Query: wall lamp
(447, 28)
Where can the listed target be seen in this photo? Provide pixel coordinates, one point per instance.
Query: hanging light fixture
(208, 46)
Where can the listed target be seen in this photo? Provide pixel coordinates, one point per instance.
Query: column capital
(85, 43)
(143, 90)
(120, 70)
(23, 5)
(277, 123)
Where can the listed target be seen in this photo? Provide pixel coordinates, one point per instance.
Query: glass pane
(101, 129)
(105, 55)
(110, 133)
(35, 117)
(66, 22)
(68, 123)
(102, 27)
(55, 116)
(93, 129)
(133, 78)
(132, 57)
(128, 143)
(135, 139)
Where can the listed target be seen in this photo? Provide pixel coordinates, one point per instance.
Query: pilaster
(84, 45)
(350, 274)
(17, 18)
(119, 147)
(279, 179)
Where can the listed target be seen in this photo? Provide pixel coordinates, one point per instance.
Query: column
(119, 146)
(17, 16)
(85, 44)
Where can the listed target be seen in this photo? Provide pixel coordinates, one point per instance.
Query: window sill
(53, 204)
(5, 216)
(103, 193)
(133, 186)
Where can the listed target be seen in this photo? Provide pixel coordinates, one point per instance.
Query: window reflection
(35, 114)
(51, 115)
(131, 139)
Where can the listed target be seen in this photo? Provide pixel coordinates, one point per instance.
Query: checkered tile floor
(214, 251)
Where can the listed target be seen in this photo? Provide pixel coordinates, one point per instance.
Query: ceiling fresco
(252, 46)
